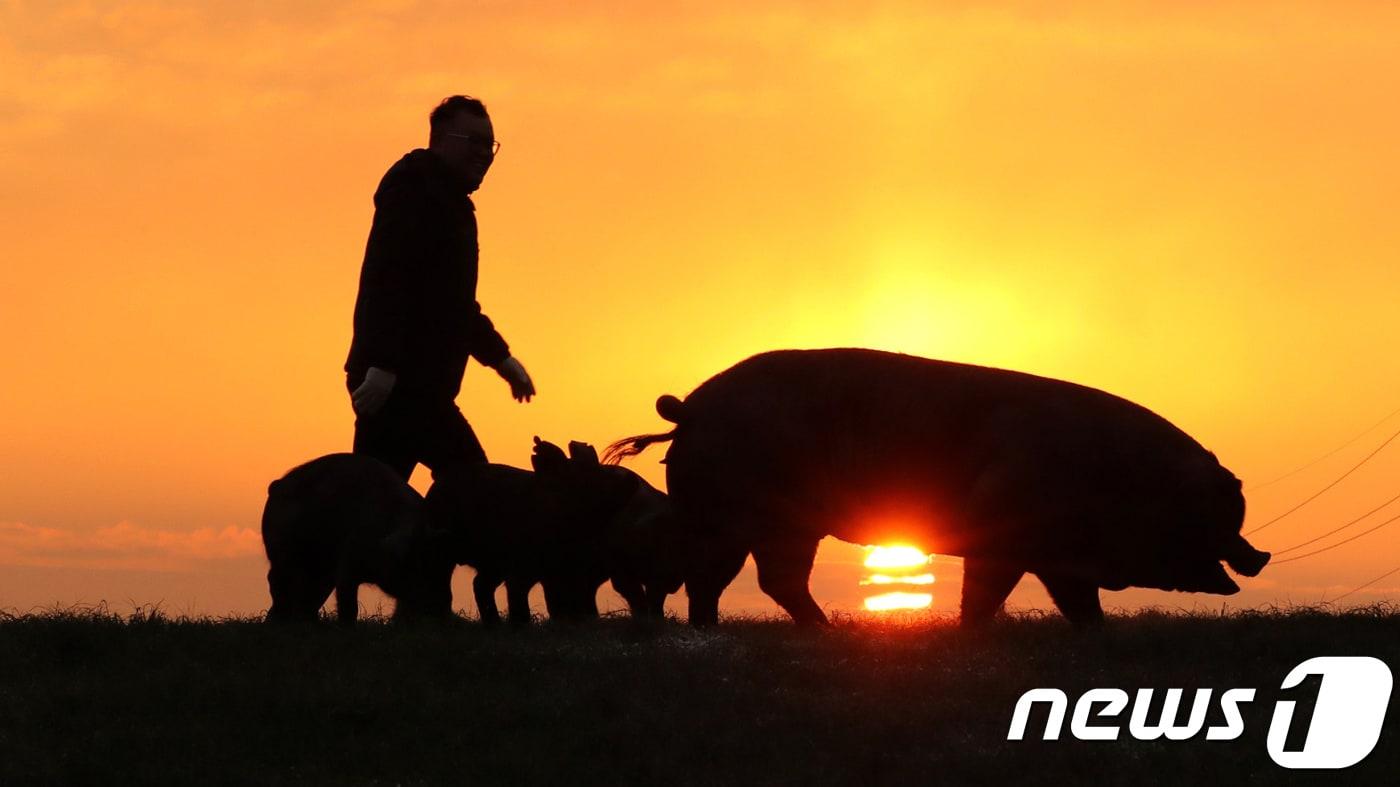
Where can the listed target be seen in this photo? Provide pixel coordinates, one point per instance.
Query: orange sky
(1191, 207)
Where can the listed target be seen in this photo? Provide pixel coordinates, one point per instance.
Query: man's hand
(374, 391)
(512, 372)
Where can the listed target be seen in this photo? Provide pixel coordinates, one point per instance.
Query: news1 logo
(1352, 694)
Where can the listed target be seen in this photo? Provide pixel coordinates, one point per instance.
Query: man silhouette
(416, 316)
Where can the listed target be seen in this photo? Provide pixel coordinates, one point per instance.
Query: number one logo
(1351, 697)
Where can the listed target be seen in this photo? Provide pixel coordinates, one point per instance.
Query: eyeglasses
(478, 142)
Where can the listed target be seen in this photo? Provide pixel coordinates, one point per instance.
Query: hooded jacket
(416, 313)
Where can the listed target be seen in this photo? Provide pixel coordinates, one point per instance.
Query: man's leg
(386, 435)
(446, 440)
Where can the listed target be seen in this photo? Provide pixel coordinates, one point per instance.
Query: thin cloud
(124, 546)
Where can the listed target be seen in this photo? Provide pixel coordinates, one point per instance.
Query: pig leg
(518, 601)
(559, 601)
(656, 602)
(717, 563)
(293, 594)
(348, 572)
(484, 589)
(633, 593)
(584, 598)
(1077, 599)
(589, 608)
(570, 598)
(784, 573)
(347, 600)
(986, 584)
(657, 591)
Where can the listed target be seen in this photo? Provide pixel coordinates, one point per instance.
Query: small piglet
(346, 519)
(645, 551)
(523, 528)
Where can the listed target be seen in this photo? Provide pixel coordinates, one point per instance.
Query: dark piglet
(343, 520)
(521, 528)
(642, 549)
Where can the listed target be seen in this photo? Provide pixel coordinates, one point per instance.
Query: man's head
(461, 134)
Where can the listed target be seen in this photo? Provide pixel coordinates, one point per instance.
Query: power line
(1319, 492)
(1339, 543)
(1297, 470)
(1368, 584)
(1338, 529)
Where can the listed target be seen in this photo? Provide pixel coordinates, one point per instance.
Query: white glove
(373, 392)
(521, 387)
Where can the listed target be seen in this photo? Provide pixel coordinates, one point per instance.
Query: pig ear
(547, 457)
(583, 452)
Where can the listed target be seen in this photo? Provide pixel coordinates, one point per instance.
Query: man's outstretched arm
(490, 348)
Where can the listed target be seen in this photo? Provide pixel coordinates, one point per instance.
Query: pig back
(488, 515)
(337, 498)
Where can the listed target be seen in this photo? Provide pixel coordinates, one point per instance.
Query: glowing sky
(1189, 205)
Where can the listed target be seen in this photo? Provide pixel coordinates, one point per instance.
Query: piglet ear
(583, 453)
(547, 457)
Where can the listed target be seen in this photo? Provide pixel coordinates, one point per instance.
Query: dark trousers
(412, 428)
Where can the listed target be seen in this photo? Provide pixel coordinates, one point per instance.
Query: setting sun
(886, 579)
(886, 602)
(895, 557)
(896, 564)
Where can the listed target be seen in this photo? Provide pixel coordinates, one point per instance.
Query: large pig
(1013, 472)
(346, 519)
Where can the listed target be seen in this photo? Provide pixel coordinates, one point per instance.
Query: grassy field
(95, 698)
